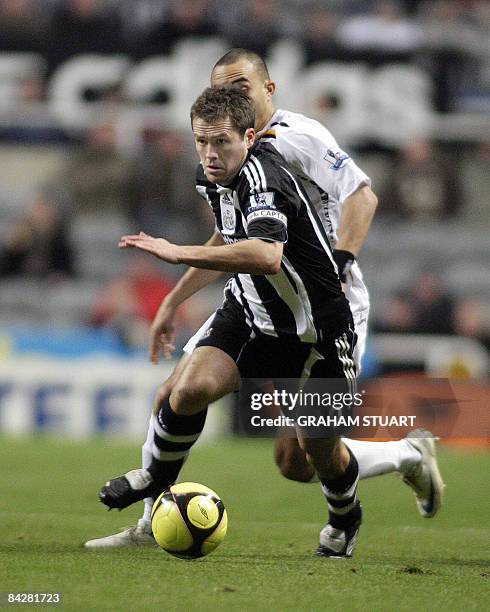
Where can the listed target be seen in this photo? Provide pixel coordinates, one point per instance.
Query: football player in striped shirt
(345, 204)
(343, 199)
(284, 316)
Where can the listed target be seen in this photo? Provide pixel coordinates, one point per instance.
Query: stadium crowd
(64, 227)
(448, 37)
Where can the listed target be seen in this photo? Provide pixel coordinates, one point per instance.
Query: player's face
(221, 149)
(244, 76)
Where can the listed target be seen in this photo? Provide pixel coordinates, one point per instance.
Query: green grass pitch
(49, 507)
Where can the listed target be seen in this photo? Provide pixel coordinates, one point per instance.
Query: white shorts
(358, 296)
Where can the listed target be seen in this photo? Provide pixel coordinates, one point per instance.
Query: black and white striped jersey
(329, 176)
(266, 201)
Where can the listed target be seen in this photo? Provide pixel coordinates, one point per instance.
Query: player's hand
(162, 334)
(344, 261)
(161, 248)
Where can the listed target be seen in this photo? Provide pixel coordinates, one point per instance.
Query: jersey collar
(226, 188)
(276, 117)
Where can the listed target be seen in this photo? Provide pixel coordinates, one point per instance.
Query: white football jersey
(329, 176)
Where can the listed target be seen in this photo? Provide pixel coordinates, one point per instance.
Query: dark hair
(236, 55)
(219, 103)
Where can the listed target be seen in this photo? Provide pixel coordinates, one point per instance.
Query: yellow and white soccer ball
(189, 520)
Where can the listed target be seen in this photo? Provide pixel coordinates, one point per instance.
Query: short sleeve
(264, 217)
(315, 152)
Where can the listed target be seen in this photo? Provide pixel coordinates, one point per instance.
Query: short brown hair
(219, 103)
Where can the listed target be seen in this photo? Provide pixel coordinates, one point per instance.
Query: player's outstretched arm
(162, 331)
(207, 262)
(357, 215)
(253, 256)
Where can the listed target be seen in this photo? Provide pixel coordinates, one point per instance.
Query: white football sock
(146, 456)
(377, 458)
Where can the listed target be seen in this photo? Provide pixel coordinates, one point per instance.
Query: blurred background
(95, 143)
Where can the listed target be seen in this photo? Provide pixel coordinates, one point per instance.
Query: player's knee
(293, 465)
(292, 471)
(191, 396)
(165, 389)
(163, 393)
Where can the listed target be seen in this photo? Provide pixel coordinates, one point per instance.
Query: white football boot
(138, 535)
(425, 478)
(338, 543)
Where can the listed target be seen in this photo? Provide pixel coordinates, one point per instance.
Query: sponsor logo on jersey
(337, 159)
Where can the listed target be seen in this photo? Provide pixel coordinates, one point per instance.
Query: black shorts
(325, 367)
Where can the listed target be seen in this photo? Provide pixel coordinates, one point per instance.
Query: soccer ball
(189, 520)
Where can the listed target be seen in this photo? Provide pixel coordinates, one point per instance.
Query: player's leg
(374, 458)
(378, 458)
(290, 458)
(338, 472)
(163, 393)
(141, 534)
(414, 456)
(209, 375)
(331, 366)
(327, 456)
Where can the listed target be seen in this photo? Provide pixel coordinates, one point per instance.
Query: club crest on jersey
(228, 214)
(337, 159)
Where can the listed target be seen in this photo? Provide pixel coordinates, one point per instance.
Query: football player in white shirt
(346, 204)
